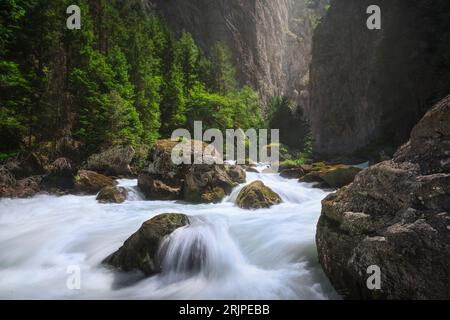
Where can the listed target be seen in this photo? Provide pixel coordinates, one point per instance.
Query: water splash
(226, 252)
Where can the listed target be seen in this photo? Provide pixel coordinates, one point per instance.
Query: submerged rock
(112, 194)
(251, 169)
(91, 182)
(256, 196)
(114, 161)
(140, 251)
(395, 215)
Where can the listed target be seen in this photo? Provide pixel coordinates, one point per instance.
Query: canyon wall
(270, 39)
(369, 88)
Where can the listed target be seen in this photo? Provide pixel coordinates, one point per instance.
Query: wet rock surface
(141, 250)
(395, 215)
(256, 196)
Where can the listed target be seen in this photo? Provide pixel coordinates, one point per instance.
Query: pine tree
(222, 73)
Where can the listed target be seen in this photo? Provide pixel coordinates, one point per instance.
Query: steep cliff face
(370, 87)
(270, 39)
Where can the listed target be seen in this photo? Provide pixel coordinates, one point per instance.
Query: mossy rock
(140, 251)
(256, 196)
(331, 176)
(112, 194)
(207, 184)
(91, 182)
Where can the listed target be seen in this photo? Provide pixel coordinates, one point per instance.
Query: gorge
(86, 176)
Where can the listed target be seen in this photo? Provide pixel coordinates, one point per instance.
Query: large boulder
(256, 196)
(331, 176)
(91, 182)
(114, 161)
(196, 183)
(160, 162)
(112, 194)
(158, 188)
(140, 251)
(395, 215)
(207, 184)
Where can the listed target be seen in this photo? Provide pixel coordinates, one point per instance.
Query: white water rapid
(238, 254)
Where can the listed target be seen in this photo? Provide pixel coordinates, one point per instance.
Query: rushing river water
(263, 254)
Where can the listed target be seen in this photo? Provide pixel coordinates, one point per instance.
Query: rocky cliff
(370, 87)
(396, 215)
(270, 39)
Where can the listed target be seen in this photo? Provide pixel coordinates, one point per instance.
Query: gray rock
(141, 250)
(394, 215)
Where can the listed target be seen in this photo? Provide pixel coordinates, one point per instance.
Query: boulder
(331, 176)
(207, 184)
(395, 215)
(23, 188)
(140, 251)
(114, 161)
(292, 173)
(24, 165)
(60, 176)
(160, 163)
(159, 188)
(256, 196)
(195, 183)
(112, 194)
(429, 145)
(236, 173)
(91, 182)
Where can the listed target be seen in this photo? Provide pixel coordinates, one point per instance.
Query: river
(262, 254)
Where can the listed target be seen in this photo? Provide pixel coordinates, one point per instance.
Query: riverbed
(261, 254)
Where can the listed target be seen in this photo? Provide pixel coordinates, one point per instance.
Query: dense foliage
(294, 129)
(124, 78)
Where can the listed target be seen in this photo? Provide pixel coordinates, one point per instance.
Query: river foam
(226, 252)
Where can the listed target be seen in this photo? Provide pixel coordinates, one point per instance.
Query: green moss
(256, 196)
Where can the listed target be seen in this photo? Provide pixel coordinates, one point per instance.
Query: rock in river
(91, 182)
(112, 194)
(256, 196)
(140, 251)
